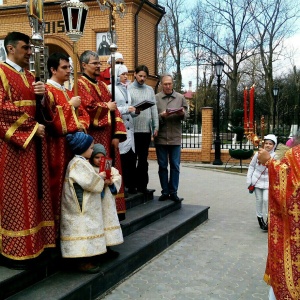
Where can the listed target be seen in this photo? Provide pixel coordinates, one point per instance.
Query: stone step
(13, 281)
(147, 213)
(136, 199)
(138, 248)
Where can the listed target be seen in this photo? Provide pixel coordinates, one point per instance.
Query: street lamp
(275, 94)
(219, 70)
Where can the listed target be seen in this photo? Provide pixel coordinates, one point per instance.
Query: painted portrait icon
(36, 9)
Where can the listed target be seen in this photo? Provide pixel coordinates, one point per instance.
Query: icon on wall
(102, 42)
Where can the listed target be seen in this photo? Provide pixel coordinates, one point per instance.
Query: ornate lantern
(74, 13)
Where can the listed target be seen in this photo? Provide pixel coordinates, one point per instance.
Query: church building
(136, 31)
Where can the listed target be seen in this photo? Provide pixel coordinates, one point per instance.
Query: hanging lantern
(74, 13)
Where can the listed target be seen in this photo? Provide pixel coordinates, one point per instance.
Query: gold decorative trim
(5, 82)
(81, 238)
(112, 228)
(96, 119)
(118, 119)
(27, 231)
(62, 119)
(51, 98)
(9, 133)
(29, 256)
(31, 135)
(25, 103)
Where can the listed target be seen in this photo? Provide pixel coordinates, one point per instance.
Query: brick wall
(97, 22)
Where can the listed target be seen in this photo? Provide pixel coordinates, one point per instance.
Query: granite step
(13, 281)
(137, 249)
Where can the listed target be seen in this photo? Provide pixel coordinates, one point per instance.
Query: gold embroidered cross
(295, 212)
(296, 237)
(274, 235)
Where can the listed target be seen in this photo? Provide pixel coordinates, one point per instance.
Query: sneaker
(163, 197)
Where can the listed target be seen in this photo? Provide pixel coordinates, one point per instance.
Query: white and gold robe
(86, 232)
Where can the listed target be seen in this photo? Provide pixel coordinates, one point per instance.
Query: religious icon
(36, 9)
(103, 47)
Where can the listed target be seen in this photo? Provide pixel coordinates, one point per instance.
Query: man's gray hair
(165, 75)
(85, 56)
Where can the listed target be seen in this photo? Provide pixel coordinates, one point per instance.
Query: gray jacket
(170, 127)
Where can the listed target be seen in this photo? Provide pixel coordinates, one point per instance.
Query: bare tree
(274, 20)
(225, 34)
(171, 30)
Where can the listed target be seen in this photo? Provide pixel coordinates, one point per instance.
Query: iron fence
(192, 136)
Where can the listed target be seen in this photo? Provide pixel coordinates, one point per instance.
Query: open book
(105, 166)
(171, 111)
(144, 105)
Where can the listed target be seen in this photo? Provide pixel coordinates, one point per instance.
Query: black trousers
(128, 161)
(142, 142)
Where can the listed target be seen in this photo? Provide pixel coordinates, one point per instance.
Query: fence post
(207, 133)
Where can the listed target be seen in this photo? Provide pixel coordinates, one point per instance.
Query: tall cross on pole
(35, 10)
(115, 7)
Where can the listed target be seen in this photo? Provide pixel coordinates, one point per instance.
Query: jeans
(164, 154)
(261, 202)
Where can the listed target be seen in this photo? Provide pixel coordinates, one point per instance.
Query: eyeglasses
(96, 63)
(119, 62)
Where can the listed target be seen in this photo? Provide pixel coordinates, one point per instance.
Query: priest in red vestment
(106, 124)
(26, 222)
(64, 115)
(283, 263)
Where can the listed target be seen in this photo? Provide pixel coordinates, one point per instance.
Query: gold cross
(274, 235)
(296, 237)
(295, 212)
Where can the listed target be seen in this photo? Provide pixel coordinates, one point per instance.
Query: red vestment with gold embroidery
(93, 98)
(61, 120)
(26, 223)
(283, 263)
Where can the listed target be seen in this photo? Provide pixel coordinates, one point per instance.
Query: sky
(291, 45)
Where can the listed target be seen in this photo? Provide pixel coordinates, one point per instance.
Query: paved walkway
(224, 258)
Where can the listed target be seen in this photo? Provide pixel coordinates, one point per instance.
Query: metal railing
(192, 138)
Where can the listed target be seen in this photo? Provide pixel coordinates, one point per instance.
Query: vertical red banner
(245, 111)
(251, 108)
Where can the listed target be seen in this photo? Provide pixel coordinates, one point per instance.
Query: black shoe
(163, 197)
(88, 268)
(175, 198)
(263, 226)
(111, 254)
(144, 191)
(132, 191)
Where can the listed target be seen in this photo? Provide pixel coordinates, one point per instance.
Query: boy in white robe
(82, 223)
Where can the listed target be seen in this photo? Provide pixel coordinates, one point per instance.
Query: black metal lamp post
(275, 94)
(219, 70)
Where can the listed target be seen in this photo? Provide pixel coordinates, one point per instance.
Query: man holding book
(145, 125)
(172, 108)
